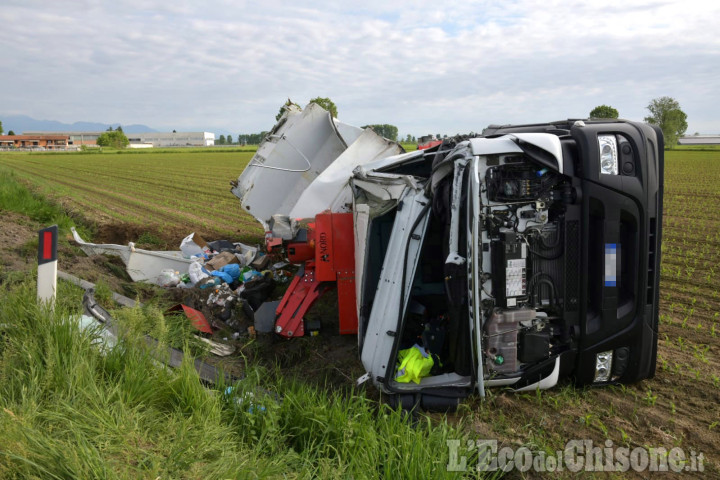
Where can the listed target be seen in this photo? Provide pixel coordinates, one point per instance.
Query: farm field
(172, 194)
(167, 193)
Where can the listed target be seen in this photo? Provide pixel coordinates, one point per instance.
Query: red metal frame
(299, 297)
(334, 245)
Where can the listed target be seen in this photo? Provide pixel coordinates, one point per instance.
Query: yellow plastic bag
(415, 363)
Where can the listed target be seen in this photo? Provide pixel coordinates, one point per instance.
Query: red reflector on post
(47, 245)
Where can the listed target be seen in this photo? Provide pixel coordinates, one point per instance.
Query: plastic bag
(232, 269)
(196, 272)
(168, 278)
(248, 274)
(258, 290)
(222, 275)
(189, 248)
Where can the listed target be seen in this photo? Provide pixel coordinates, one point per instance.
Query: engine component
(509, 266)
(513, 183)
(534, 346)
(502, 330)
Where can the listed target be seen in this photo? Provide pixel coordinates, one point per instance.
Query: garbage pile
(223, 281)
(231, 281)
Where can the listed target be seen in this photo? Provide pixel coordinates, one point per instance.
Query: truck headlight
(608, 154)
(603, 365)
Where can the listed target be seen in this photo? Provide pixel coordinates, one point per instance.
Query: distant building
(173, 139)
(700, 140)
(52, 141)
(76, 138)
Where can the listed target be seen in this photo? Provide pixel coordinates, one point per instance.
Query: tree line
(665, 112)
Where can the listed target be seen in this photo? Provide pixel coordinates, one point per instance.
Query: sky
(425, 66)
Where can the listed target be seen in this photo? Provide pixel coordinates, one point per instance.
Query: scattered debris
(196, 317)
(170, 356)
(265, 317)
(219, 349)
(148, 265)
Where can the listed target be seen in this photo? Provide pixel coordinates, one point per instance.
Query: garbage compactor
(515, 258)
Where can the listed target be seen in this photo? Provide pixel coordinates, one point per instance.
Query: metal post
(47, 265)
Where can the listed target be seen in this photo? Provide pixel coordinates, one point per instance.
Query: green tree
(384, 130)
(119, 128)
(251, 138)
(11, 133)
(221, 140)
(327, 104)
(1, 130)
(665, 112)
(604, 111)
(115, 139)
(285, 106)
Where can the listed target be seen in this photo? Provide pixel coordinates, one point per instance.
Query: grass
(68, 410)
(17, 198)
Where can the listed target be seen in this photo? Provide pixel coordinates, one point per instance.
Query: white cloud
(424, 66)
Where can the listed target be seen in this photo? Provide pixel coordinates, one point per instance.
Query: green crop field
(186, 190)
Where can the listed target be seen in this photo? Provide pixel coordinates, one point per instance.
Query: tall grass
(69, 409)
(15, 197)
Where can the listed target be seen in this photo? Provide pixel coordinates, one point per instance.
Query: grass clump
(15, 197)
(69, 409)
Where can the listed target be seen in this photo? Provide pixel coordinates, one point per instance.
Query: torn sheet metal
(292, 156)
(330, 189)
(384, 164)
(349, 133)
(218, 349)
(145, 265)
(172, 357)
(142, 265)
(511, 144)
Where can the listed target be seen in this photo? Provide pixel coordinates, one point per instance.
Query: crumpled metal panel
(378, 344)
(298, 149)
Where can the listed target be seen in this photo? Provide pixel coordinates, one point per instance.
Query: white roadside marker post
(47, 265)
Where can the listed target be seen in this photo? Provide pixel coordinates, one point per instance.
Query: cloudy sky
(425, 66)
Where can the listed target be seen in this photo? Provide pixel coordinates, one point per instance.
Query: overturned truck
(516, 258)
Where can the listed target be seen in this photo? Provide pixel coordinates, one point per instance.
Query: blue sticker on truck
(611, 254)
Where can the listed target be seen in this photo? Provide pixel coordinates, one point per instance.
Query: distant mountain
(23, 123)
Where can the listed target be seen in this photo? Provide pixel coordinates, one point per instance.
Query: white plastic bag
(189, 247)
(168, 278)
(196, 273)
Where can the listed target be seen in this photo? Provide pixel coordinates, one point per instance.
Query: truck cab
(513, 259)
(526, 255)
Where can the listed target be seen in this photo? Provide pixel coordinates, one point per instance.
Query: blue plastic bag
(222, 275)
(232, 269)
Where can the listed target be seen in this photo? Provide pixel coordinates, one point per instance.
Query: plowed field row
(183, 189)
